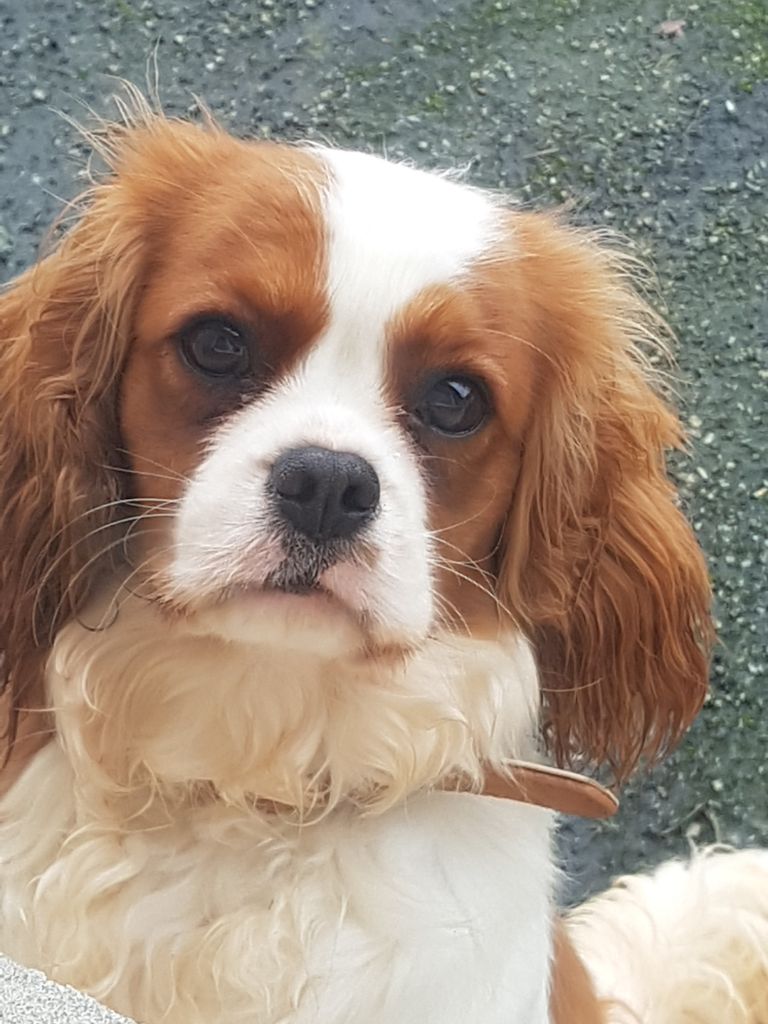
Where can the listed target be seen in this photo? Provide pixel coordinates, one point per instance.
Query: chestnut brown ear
(64, 327)
(599, 562)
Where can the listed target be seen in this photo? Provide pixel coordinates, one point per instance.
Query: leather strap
(554, 788)
(527, 783)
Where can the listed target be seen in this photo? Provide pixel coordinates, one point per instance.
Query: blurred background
(647, 117)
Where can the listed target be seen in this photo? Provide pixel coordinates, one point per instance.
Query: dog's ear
(599, 563)
(64, 329)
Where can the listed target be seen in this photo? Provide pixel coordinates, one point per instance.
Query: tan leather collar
(554, 788)
(523, 781)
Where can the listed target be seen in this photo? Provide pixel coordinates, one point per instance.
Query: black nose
(323, 494)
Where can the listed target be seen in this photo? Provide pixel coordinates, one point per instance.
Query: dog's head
(320, 403)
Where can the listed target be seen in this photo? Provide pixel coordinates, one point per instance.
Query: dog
(333, 489)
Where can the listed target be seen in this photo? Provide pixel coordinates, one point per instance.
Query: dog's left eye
(216, 348)
(456, 405)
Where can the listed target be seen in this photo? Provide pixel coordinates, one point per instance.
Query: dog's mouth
(322, 598)
(303, 595)
(305, 608)
(328, 576)
(304, 564)
(303, 590)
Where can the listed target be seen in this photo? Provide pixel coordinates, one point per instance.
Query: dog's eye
(456, 405)
(216, 348)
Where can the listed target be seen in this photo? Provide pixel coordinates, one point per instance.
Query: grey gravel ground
(27, 997)
(582, 101)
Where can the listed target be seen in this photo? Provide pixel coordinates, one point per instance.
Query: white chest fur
(436, 912)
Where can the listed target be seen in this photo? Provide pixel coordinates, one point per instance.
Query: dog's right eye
(454, 405)
(216, 348)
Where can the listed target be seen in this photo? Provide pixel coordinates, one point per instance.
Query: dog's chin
(310, 621)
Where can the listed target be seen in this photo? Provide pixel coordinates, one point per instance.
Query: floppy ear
(599, 562)
(64, 329)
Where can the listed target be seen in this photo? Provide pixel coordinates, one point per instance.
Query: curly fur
(688, 943)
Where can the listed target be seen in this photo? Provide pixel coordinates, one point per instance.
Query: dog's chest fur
(436, 912)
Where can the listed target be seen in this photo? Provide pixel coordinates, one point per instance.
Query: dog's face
(340, 407)
(321, 385)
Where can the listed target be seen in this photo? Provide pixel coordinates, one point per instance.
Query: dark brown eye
(455, 405)
(216, 348)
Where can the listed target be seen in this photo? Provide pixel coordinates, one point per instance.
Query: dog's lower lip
(312, 596)
(297, 589)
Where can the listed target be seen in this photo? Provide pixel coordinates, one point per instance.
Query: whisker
(483, 589)
(112, 611)
(442, 602)
(71, 583)
(149, 514)
(129, 471)
(32, 571)
(469, 519)
(92, 510)
(510, 336)
(174, 474)
(464, 558)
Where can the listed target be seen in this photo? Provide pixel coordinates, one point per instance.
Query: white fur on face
(391, 232)
(224, 532)
(394, 231)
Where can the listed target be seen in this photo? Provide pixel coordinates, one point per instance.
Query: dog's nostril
(295, 483)
(323, 494)
(363, 495)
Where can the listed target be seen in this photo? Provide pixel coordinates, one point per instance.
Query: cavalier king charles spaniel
(329, 488)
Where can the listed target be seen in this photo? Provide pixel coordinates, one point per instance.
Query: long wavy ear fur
(64, 329)
(599, 562)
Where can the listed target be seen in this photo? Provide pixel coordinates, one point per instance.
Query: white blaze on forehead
(392, 231)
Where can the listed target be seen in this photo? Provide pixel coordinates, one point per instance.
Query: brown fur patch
(248, 245)
(95, 406)
(598, 561)
(573, 999)
(559, 514)
(471, 479)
